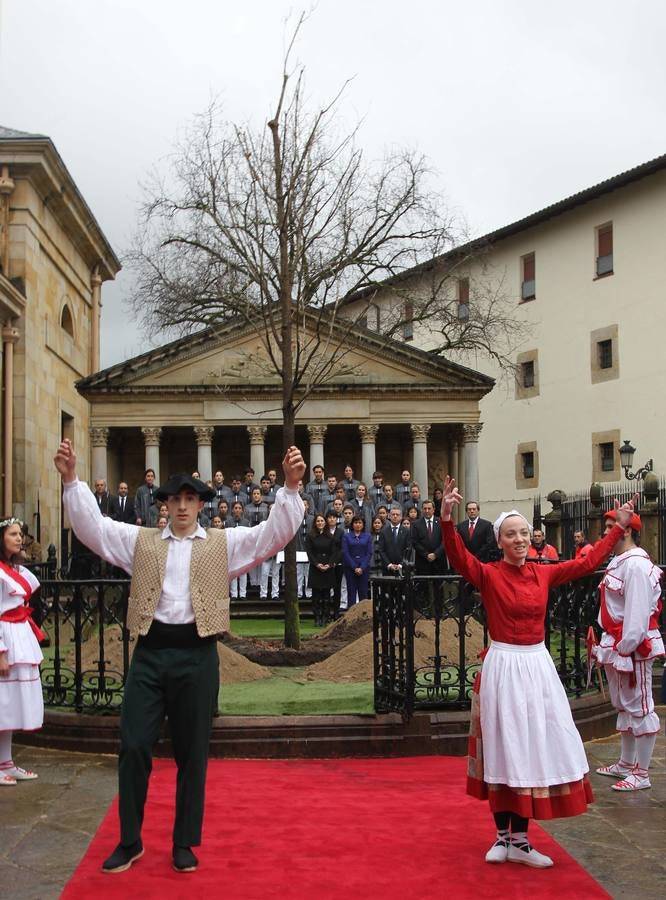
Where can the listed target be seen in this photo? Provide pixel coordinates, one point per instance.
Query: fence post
(595, 523)
(650, 516)
(553, 519)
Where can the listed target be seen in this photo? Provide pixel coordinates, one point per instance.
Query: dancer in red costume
(629, 613)
(532, 764)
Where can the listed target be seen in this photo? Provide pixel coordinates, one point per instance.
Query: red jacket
(546, 552)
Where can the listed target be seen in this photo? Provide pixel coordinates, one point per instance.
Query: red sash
(21, 613)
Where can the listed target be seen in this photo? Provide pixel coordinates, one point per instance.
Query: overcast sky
(516, 103)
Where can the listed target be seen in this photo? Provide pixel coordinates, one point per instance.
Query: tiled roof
(12, 134)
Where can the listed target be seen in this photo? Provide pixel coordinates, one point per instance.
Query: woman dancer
(21, 702)
(533, 763)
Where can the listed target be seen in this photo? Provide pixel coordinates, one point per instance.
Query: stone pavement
(45, 826)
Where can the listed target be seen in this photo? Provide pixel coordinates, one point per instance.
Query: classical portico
(179, 408)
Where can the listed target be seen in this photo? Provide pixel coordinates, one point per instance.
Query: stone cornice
(244, 392)
(37, 159)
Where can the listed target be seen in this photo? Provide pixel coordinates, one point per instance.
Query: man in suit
(122, 506)
(430, 558)
(477, 533)
(103, 497)
(394, 544)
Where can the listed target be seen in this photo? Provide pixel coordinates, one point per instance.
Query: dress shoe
(123, 857)
(184, 860)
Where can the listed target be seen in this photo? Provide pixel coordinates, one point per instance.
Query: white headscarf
(497, 524)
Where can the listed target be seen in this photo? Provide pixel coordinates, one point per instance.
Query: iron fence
(87, 647)
(442, 674)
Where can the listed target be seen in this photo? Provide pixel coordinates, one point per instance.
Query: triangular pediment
(234, 357)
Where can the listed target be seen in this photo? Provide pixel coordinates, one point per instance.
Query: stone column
(99, 439)
(151, 435)
(317, 433)
(257, 437)
(10, 336)
(471, 435)
(95, 315)
(368, 451)
(420, 456)
(454, 470)
(7, 185)
(204, 435)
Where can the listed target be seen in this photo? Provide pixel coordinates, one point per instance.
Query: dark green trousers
(182, 684)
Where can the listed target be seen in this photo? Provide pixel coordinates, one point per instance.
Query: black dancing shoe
(122, 857)
(184, 860)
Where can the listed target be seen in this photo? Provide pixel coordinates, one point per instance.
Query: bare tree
(277, 228)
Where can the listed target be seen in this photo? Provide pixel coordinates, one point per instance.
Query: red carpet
(308, 829)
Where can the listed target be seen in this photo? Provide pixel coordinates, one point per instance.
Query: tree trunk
(292, 625)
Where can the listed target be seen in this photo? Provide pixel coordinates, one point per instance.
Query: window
(528, 283)
(527, 464)
(66, 321)
(373, 317)
(605, 250)
(605, 354)
(463, 299)
(527, 373)
(408, 324)
(607, 457)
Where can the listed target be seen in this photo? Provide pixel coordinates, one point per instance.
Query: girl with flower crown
(21, 702)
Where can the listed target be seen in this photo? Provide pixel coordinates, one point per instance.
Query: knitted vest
(209, 581)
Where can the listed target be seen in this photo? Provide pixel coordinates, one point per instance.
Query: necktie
(122, 504)
(471, 529)
(429, 528)
(395, 531)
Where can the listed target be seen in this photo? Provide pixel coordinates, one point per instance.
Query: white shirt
(116, 542)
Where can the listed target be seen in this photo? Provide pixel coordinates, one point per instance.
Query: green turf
(269, 629)
(284, 696)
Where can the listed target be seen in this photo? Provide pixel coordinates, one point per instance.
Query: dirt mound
(356, 622)
(354, 662)
(233, 666)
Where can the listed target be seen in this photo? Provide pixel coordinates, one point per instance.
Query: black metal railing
(452, 612)
(87, 647)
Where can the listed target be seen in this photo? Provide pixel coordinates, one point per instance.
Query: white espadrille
(498, 852)
(526, 854)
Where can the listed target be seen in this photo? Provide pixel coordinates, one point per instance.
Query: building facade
(205, 402)
(54, 259)
(588, 279)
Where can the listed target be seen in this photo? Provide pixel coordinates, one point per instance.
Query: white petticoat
(529, 736)
(21, 700)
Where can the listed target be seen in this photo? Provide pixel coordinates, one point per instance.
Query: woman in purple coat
(356, 558)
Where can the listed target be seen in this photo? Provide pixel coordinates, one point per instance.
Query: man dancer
(630, 607)
(178, 605)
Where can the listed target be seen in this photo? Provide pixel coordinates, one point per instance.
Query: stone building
(206, 402)
(588, 276)
(53, 262)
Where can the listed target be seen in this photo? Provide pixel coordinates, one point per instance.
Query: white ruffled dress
(21, 700)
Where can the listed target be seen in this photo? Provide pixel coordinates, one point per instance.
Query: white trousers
(634, 704)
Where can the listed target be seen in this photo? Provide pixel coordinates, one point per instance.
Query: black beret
(177, 483)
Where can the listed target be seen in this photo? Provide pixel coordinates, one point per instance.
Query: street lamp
(626, 452)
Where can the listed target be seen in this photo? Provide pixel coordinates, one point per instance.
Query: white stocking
(628, 748)
(644, 747)
(5, 747)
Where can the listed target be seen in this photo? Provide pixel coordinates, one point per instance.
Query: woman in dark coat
(323, 553)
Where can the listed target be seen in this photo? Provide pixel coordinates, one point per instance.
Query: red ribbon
(23, 614)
